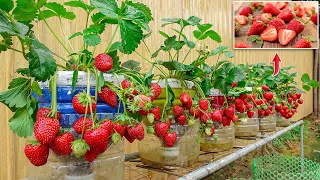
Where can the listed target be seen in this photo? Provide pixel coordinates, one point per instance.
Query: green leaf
(148, 77)
(45, 14)
(17, 94)
(75, 35)
(141, 8)
(171, 97)
(24, 71)
(6, 5)
(74, 78)
(197, 34)
(228, 54)
(41, 3)
(107, 7)
(205, 86)
(190, 44)
(69, 15)
(204, 27)
(6, 26)
(175, 65)
(219, 50)
(115, 59)
(155, 54)
(22, 28)
(239, 74)
(305, 77)
(22, 123)
(313, 83)
(100, 81)
(36, 88)
(60, 10)
(164, 34)
(193, 20)
(306, 87)
(26, 10)
(92, 39)
(115, 46)
(7, 39)
(131, 35)
(213, 35)
(41, 63)
(169, 43)
(80, 4)
(206, 68)
(131, 64)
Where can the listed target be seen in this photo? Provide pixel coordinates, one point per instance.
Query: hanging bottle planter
(282, 121)
(185, 150)
(267, 123)
(247, 127)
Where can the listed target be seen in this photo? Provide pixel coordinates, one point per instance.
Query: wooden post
(316, 76)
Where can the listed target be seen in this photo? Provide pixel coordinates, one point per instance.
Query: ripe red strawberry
(79, 103)
(268, 95)
(185, 98)
(129, 138)
(45, 112)
(250, 114)
(235, 119)
(125, 84)
(249, 106)
(204, 104)
(270, 8)
(46, 129)
(97, 139)
(37, 153)
(278, 107)
(205, 117)
(257, 5)
(161, 129)
(260, 112)
(103, 62)
(256, 28)
(314, 18)
(241, 108)
(120, 129)
(229, 112)
(265, 87)
(108, 96)
(91, 155)
(178, 110)
(196, 113)
(246, 11)
(170, 139)
(296, 26)
(302, 43)
(286, 36)
(78, 125)
(240, 45)
(278, 24)
(286, 15)
(136, 132)
(216, 115)
(143, 112)
(182, 119)
(241, 20)
(238, 102)
(61, 145)
(156, 90)
(270, 34)
(157, 113)
(226, 121)
(265, 17)
(267, 112)
(243, 96)
(299, 11)
(300, 101)
(281, 5)
(298, 95)
(107, 125)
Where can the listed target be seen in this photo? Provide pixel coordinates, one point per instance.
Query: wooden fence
(217, 12)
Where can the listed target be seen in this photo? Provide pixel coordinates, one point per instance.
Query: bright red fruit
(296, 26)
(156, 90)
(182, 119)
(235, 119)
(300, 101)
(46, 129)
(216, 115)
(136, 132)
(79, 103)
(161, 129)
(78, 125)
(229, 112)
(250, 114)
(281, 5)
(240, 45)
(91, 155)
(270, 34)
(61, 145)
(125, 84)
(302, 43)
(120, 129)
(270, 8)
(178, 110)
(204, 104)
(242, 20)
(299, 11)
(157, 113)
(286, 36)
(256, 28)
(196, 113)
(185, 98)
(97, 139)
(265, 87)
(314, 18)
(107, 125)
(246, 11)
(45, 112)
(243, 96)
(205, 117)
(108, 96)
(37, 153)
(278, 24)
(170, 139)
(265, 17)
(103, 62)
(286, 15)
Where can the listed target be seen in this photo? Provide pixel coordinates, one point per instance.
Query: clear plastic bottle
(246, 127)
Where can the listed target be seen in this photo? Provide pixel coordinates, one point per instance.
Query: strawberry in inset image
(108, 96)
(170, 139)
(286, 15)
(270, 8)
(314, 18)
(308, 11)
(270, 34)
(296, 26)
(61, 145)
(265, 17)
(240, 19)
(246, 11)
(78, 125)
(256, 28)
(303, 43)
(37, 153)
(286, 36)
(281, 5)
(242, 45)
(103, 62)
(46, 129)
(278, 24)
(257, 5)
(299, 10)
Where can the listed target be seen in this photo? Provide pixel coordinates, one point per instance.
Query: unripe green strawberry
(191, 122)
(79, 148)
(208, 131)
(150, 118)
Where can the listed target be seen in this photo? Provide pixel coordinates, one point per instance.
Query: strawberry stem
(112, 38)
(96, 92)
(54, 96)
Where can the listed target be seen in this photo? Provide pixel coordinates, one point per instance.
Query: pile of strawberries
(289, 105)
(271, 24)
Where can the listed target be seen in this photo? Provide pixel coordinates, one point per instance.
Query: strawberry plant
(130, 20)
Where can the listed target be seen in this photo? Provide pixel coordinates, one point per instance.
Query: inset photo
(276, 25)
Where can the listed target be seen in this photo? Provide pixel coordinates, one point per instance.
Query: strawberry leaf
(26, 10)
(80, 4)
(6, 26)
(305, 78)
(17, 94)
(6, 5)
(107, 7)
(127, 29)
(75, 35)
(92, 39)
(45, 14)
(36, 88)
(204, 27)
(60, 10)
(22, 122)
(74, 78)
(132, 65)
(175, 65)
(101, 81)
